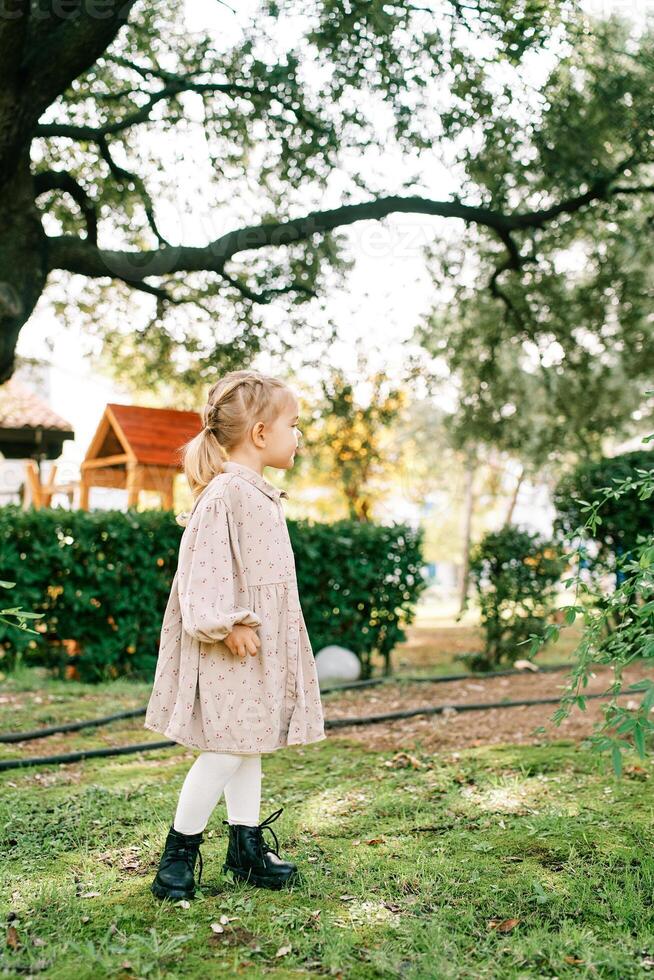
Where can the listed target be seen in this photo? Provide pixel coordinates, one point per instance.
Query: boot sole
(254, 879)
(174, 893)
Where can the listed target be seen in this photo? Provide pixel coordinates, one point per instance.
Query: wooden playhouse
(136, 448)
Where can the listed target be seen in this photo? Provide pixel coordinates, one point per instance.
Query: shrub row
(102, 579)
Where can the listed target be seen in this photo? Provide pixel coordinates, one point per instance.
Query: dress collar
(230, 466)
(248, 474)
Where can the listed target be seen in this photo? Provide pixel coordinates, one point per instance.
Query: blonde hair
(234, 403)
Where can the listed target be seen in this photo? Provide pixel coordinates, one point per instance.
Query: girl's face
(283, 436)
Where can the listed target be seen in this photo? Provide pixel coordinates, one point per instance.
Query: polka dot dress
(235, 565)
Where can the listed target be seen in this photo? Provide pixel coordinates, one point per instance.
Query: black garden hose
(329, 723)
(71, 726)
(75, 726)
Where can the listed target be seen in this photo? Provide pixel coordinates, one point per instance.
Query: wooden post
(167, 495)
(133, 483)
(84, 488)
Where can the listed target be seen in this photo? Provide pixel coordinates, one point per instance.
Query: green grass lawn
(510, 862)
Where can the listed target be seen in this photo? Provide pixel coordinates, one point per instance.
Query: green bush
(101, 579)
(624, 516)
(515, 574)
(630, 606)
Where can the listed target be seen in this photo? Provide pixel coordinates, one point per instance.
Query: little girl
(235, 677)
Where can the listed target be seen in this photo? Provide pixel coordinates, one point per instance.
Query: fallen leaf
(402, 760)
(347, 898)
(216, 927)
(90, 894)
(183, 904)
(525, 665)
(574, 960)
(376, 840)
(283, 950)
(503, 925)
(12, 937)
(636, 772)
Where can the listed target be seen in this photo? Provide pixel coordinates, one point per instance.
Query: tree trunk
(467, 525)
(514, 498)
(23, 260)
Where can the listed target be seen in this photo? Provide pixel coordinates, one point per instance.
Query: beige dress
(235, 565)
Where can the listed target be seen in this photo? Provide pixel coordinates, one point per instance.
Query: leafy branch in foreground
(19, 617)
(631, 606)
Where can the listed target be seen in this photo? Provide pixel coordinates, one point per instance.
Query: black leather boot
(174, 878)
(250, 858)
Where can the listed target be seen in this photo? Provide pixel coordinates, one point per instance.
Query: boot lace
(265, 825)
(258, 830)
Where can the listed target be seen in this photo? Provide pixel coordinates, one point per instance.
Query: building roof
(153, 436)
(22, 408)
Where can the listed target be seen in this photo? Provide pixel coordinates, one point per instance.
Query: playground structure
(32, 432)
(136, 448)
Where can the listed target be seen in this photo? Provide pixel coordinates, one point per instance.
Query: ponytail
(234, 404)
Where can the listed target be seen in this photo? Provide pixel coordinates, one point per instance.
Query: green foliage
(630, 605)
(16, 616)
(348, 441)
(515, 573)
(293, 101)
(101, 579)
(550, 352)
(624, 516)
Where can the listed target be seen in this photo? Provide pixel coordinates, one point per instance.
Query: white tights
(212, 773)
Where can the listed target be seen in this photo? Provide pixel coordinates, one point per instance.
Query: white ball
(337, 665)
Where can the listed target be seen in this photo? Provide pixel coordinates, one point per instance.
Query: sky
(387, 291)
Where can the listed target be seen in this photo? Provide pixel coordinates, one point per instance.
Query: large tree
(293, 114)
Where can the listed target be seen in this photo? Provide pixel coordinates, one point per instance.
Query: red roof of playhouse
(153, 436)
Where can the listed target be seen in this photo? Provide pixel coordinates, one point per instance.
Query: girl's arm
(211, 578)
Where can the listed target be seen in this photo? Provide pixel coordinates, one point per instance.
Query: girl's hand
(243, 640)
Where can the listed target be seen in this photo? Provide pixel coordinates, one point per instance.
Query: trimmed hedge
(102, 579)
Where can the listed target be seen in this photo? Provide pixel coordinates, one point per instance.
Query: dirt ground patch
(469, 729)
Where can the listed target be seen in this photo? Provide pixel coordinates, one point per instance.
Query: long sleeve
(211, 577)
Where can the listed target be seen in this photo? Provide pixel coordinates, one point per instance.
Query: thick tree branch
(74, 255)
(50, 180)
